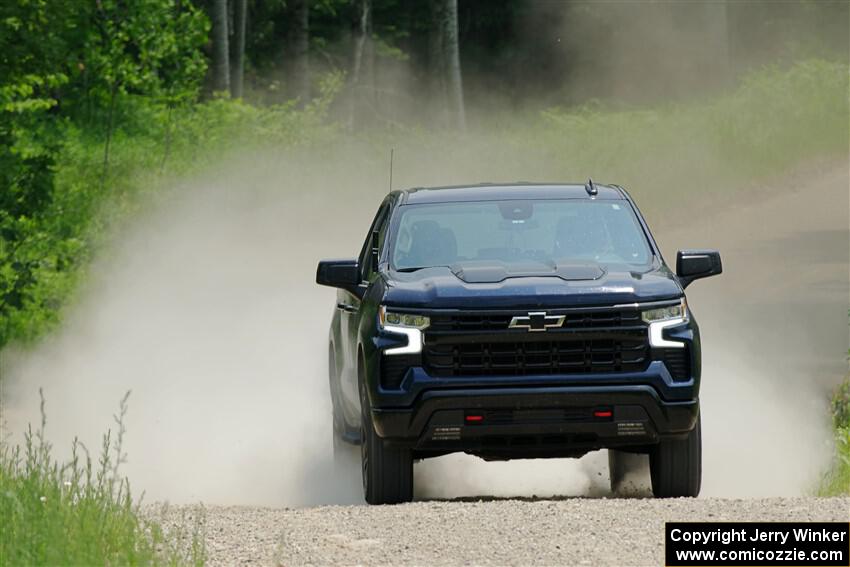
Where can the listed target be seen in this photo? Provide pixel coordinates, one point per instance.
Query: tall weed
(80, 512)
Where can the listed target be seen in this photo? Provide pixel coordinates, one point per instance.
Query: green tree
(237, 65)
(146, 47)
(63, 64)
(38, 48)
(299, 50)
(220, 48)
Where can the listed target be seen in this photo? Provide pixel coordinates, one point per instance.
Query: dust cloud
(205, 308)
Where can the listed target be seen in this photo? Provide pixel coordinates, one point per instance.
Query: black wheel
(676, 465)
(622, 465)
(387, 471)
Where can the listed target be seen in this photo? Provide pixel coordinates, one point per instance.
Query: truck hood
(471, 286)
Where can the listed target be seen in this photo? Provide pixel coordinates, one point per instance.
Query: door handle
(346, 307)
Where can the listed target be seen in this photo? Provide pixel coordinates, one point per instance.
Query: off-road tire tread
(675, 465)
(388, 479)
(391, 472)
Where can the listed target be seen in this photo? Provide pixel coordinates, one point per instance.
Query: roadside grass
(80, 512)
(836, 481)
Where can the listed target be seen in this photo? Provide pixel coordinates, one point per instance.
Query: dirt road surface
(775, 328)
(577, 531)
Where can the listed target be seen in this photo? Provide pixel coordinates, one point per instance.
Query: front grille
(394, 367)
(678, 363)
(500, 321)
(559, 353)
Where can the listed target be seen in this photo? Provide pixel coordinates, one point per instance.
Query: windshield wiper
(412, 269)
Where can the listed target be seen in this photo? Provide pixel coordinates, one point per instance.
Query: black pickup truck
(515, 321)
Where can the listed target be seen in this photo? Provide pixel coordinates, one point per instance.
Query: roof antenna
(590, 187)
(392, 151)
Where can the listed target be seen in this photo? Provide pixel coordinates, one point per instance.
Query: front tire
(387, 470)
(675, 465)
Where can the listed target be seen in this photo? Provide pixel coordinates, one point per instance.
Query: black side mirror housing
(695, 264)
(343, 274)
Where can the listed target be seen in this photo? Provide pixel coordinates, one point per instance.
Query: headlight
(679, 311)
(663, 317)
(409, 320)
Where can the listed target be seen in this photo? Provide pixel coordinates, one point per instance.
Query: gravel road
(575, 531)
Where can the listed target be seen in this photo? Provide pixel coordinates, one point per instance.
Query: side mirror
(338, 273)
(695, 264)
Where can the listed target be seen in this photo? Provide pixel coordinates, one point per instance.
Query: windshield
(555, 231)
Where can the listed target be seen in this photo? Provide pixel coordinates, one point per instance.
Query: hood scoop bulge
(495, 272)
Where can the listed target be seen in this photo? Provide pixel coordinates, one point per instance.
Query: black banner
(817, 544)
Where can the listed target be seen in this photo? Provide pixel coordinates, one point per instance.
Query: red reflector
(475, 418)
(603, 413)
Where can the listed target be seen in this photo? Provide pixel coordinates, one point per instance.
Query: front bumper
(545, 416)
(536, 422)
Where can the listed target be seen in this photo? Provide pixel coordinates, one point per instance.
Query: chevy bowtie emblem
(537, 321)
